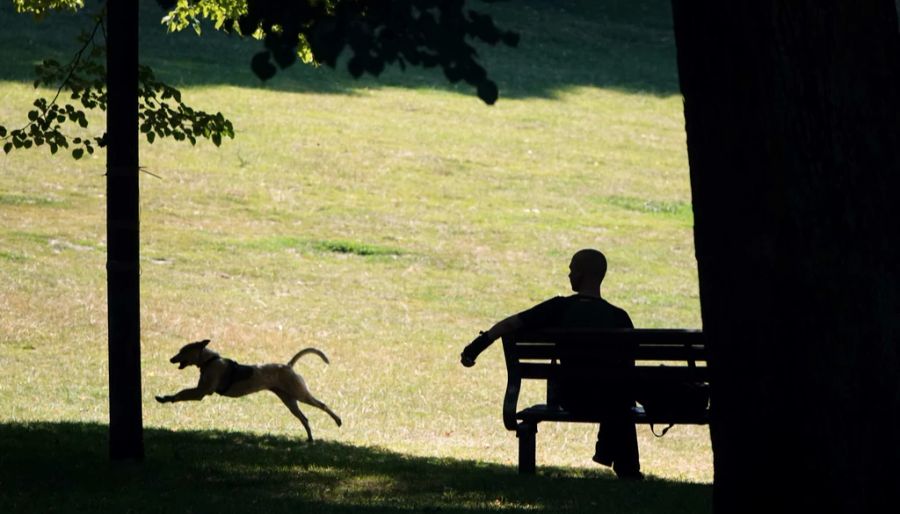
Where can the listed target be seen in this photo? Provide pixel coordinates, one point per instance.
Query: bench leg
(526, 433)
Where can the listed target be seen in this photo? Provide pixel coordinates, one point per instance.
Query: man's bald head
(587, 270)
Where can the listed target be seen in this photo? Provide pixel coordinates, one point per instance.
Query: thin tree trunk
(122, 229)
(791, 111)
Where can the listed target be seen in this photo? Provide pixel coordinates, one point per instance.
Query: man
(617, 440)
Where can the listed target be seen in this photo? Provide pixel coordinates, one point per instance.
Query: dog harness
(234, 372)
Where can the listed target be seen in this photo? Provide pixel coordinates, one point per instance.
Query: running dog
(228, 378)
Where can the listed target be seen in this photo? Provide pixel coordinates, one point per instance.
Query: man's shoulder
(543, 312)
(622, 316)
(614, 314)
(617, 308)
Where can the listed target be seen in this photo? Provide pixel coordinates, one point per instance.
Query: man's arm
(480, 343)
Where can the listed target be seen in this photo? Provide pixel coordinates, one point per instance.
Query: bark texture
(122, 233)
(791, 111)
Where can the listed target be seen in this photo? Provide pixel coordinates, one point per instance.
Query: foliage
(41, 7)
(179, 121)
(161, 110)
(186, 13)
(426, 33)
(378, 33)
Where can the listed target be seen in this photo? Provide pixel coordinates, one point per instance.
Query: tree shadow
(51, 467)
(625, 45)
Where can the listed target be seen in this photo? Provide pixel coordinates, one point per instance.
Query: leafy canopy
(41, 7)
(161, 112)
(377, 34)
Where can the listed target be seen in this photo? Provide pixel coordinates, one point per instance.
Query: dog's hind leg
(292, 406)
(296, 387)
(316, 403)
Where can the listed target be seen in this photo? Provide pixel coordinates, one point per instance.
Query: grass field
(383, 221)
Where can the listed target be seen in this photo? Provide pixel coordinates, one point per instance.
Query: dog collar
(208, 361)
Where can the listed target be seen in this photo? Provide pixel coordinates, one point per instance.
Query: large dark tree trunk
(122, 265)
(791, 110)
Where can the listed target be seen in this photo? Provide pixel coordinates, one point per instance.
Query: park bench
(664, 359)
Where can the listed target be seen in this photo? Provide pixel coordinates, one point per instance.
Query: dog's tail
(301, 353)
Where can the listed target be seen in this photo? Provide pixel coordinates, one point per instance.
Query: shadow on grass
(619, 44)
(62, 467)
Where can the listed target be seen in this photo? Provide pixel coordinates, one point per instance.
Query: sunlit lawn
(382, 222)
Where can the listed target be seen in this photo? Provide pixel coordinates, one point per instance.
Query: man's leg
(617, 447)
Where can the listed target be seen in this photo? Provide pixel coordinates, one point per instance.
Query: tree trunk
(122, 232)
(791, 111)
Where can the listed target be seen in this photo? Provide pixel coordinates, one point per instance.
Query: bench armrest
(513, 386)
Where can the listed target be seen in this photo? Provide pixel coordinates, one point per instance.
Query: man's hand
(471, 352)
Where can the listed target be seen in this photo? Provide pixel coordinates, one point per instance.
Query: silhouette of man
(617, 439)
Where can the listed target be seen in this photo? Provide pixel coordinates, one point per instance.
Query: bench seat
(543, 412)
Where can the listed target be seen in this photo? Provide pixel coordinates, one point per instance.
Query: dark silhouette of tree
(122, 233)
(791, 110)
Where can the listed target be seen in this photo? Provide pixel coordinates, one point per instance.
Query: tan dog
(228, 378)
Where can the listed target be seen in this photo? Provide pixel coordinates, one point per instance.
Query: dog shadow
(63, 467)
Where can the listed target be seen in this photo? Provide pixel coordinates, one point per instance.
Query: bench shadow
(50, 466)
(616, 44)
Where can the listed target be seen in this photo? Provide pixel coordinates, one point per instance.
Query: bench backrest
(660, 356)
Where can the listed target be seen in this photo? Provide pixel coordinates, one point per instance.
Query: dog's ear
(203, 343)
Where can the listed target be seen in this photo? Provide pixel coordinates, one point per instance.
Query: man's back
(576, 311)
(579, 389)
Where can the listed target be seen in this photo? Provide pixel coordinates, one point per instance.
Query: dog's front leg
(206, 387)
(186, 395)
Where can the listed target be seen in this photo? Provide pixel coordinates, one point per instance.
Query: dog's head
(189, 354)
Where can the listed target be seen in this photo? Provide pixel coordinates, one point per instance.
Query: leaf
(32, 115)
(488, 92)
(151, 136)
(53, 148)
(511, 39)
(2, 131)
(261, 66)
(217, 139)
(78, 153)
(7, 147)
(355, 66)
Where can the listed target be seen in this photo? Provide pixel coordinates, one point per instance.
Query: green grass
(355, 248)
(385, 222)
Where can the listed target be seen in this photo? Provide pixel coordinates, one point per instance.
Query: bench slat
(672, 374)
(662, 336)
(642, 352)
(540, 413)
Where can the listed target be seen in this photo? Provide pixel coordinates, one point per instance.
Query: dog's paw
(164, 399)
